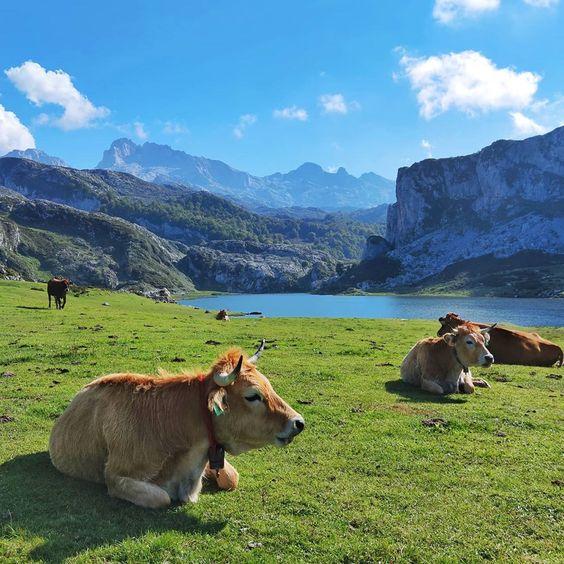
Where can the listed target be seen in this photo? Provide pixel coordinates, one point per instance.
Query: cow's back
(519, 347)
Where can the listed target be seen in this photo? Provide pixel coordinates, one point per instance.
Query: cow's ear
(216, 401)
(450, 339)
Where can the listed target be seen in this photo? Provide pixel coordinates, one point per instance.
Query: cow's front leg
(138, 492)
(430, 386)
(466, 384)
(182, 477)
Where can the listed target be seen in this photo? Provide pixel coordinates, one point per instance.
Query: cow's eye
(254, 397)
(469, 342)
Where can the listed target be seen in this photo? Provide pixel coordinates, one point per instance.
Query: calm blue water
(520, 311)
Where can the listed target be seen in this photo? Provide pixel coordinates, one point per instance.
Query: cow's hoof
(481, 383)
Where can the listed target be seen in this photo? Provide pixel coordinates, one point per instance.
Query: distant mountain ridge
(36, 155)
(307, 186)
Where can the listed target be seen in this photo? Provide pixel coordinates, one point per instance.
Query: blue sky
(264, 86)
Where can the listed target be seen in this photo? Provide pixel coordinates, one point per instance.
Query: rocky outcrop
(376, 246)
(307, 186)
(238, 266)
(507, 198)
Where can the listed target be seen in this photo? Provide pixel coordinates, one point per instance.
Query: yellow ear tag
(217, 410)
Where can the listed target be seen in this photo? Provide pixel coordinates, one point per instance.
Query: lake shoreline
(524, 312)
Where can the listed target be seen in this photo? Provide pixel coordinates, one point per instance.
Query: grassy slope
(365, 481)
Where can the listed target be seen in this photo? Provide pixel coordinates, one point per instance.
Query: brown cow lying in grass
(510, 346)
(441, 365)
(147, 437)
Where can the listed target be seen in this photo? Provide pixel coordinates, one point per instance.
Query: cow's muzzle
(488, 360)
(294, 427)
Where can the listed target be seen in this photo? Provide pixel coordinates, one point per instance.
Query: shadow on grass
(72, 515)
(411, 393)
(32, 307)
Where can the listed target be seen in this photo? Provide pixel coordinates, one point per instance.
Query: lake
(520, 311)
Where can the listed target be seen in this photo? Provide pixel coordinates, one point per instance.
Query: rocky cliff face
(308, 185)
(507, 198)
(239, 266)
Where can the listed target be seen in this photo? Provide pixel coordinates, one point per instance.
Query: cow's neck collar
(216, 452)
(464, 368)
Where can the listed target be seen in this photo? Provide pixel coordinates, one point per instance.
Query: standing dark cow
(509, 346)
(58, 288)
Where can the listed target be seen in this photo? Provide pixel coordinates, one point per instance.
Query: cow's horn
(226, 379)
(253, 359)
(487, 329)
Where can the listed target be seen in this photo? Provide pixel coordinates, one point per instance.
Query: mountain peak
(38, 156)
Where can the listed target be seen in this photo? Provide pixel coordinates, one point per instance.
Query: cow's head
(470, 344)
(449, 323)
(247, 412)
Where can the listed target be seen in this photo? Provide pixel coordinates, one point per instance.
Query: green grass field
(365, 482)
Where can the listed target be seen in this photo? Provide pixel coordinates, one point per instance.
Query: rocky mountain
(242, 266)
(40, 238)
(454, 216)
(115, 230)
(37, 156)
(173, 212)
(307, 186)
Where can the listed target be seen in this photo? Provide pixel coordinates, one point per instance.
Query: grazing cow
(510, 346)
(440, 365)
(222, 315)
(58, 288)
(149, 438)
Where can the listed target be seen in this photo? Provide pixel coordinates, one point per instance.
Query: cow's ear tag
(217, 410)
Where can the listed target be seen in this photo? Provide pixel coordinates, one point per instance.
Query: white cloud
(544, 115)
(140, 132)
(426, 145)
(336, 104)
(468, 82)
(174, 128)
(541, 3)
(524, 125)
(292, 112)
(13, 133)
(245, 121)
(446, 11)
(55, 87)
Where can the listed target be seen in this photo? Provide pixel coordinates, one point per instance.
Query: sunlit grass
(366, 481)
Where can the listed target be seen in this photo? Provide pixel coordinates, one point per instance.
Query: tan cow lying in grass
(147, 437)
(440, 365)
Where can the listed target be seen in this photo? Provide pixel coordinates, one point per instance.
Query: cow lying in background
(222, 315)
(440, 365)
(510, 346)
(148, 438)
(58, 288)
